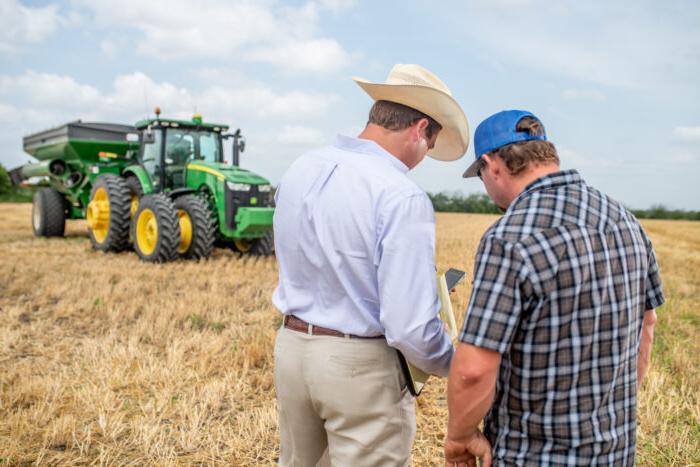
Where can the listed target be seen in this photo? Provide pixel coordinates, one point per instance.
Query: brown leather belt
(297, 324)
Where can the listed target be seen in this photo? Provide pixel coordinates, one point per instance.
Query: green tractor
(161, 186)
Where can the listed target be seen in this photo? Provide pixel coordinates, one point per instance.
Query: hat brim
(472, 170)
(453, 139)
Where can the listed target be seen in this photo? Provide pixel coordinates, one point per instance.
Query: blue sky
(615, 83)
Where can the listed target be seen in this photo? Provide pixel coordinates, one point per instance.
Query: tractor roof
(196, 122)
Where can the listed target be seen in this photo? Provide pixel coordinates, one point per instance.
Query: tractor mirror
(148, 137)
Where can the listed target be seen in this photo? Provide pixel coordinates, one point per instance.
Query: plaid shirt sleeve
(496, 302)
(654, 296)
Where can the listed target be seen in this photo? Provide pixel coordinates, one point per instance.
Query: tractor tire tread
(263, 246)
(53, 213)
(119, 213)
(203, 229)
(168, 228)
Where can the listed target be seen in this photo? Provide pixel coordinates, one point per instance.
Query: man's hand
(465, 451)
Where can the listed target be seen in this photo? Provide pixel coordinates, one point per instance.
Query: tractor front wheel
(108, 214)
(48, 213)
(196, 227)
(156, 230)
(263, 246)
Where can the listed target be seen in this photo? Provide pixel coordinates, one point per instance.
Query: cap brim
(453, 139)
(472, 170)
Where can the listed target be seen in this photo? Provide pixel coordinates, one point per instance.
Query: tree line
(442, 202)
(481, 203)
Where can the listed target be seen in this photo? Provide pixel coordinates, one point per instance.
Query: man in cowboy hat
(560, 323)
(355, 243)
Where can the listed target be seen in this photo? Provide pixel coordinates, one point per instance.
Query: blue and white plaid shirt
(561, 285)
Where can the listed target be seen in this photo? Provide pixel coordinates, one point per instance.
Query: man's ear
(418, 128)
(487, 161)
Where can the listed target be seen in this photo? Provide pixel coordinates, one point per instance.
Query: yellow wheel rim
(185, 231)
(243, 246)
(98, 215)
(147, 231)
(134, 205)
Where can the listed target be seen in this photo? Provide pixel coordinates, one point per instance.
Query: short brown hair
(396, 117)
(519, 156)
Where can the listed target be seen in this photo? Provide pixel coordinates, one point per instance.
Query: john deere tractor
(161, 185)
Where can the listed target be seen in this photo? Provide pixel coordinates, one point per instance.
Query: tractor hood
(226, 172)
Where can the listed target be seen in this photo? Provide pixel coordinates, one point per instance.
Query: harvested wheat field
(108, 360)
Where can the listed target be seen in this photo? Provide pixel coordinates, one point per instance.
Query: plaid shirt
(561, 284)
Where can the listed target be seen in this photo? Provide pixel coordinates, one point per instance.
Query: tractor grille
(237, 199)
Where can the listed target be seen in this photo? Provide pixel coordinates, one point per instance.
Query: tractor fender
(180, 192)
(143, 178)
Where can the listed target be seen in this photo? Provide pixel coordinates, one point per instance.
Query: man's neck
(519, 183)
(389, 140)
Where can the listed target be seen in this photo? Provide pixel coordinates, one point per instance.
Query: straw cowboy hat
(416, 87)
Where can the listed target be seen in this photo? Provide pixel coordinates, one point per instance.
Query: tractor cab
(168, 146)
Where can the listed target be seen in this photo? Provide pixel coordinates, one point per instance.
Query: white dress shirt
(355, 243)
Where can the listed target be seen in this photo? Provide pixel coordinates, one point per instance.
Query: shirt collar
(564, 177)
(367, 146)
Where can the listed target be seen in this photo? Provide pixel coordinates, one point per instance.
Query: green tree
(5, 183)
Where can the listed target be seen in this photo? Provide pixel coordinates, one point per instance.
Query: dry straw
(107, 360)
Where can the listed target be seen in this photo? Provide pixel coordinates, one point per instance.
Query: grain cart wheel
(156, 231)
(108, 214)
(263, 246)
(196, 227)
(49, 213)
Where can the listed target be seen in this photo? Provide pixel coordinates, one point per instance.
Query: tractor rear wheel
(156, 230)
(49, 213)
(196, 227)
(108, 214)
(263, 246)
(135, 193)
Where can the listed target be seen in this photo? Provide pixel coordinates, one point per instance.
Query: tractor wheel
(263, 246)
(135, 193)
(108, 214)
(49, 213)
(196, 227)
(156, 231)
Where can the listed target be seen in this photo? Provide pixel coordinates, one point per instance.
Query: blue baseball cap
(497, 131)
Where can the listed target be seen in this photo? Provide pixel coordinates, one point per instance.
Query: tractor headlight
(264, 188)
(238, 186)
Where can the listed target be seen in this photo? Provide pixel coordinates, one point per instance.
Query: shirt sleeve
(405, 260)
(653, 290)
(496, 303)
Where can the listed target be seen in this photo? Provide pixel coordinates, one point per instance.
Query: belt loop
(310, 329)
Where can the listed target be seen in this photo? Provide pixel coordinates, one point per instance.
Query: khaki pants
(343, 397)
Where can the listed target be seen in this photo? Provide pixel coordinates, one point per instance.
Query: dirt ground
(108, 360)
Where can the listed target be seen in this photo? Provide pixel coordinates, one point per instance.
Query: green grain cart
(161, 186)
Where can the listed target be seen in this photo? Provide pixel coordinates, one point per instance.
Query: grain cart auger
(161, 186)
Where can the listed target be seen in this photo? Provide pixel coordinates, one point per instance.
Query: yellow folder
(415, 377)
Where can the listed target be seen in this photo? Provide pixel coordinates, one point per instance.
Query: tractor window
(209, 147)
(151, 158)
(183, 146)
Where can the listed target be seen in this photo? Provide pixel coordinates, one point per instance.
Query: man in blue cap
(560, 321)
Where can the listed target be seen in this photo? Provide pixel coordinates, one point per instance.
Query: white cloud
(647, 46)
(687, 134)
(297, 134)
(50, 90)
(136, 93)
(21, 25)
(258, 31)
(315, 55)
(337, 5)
